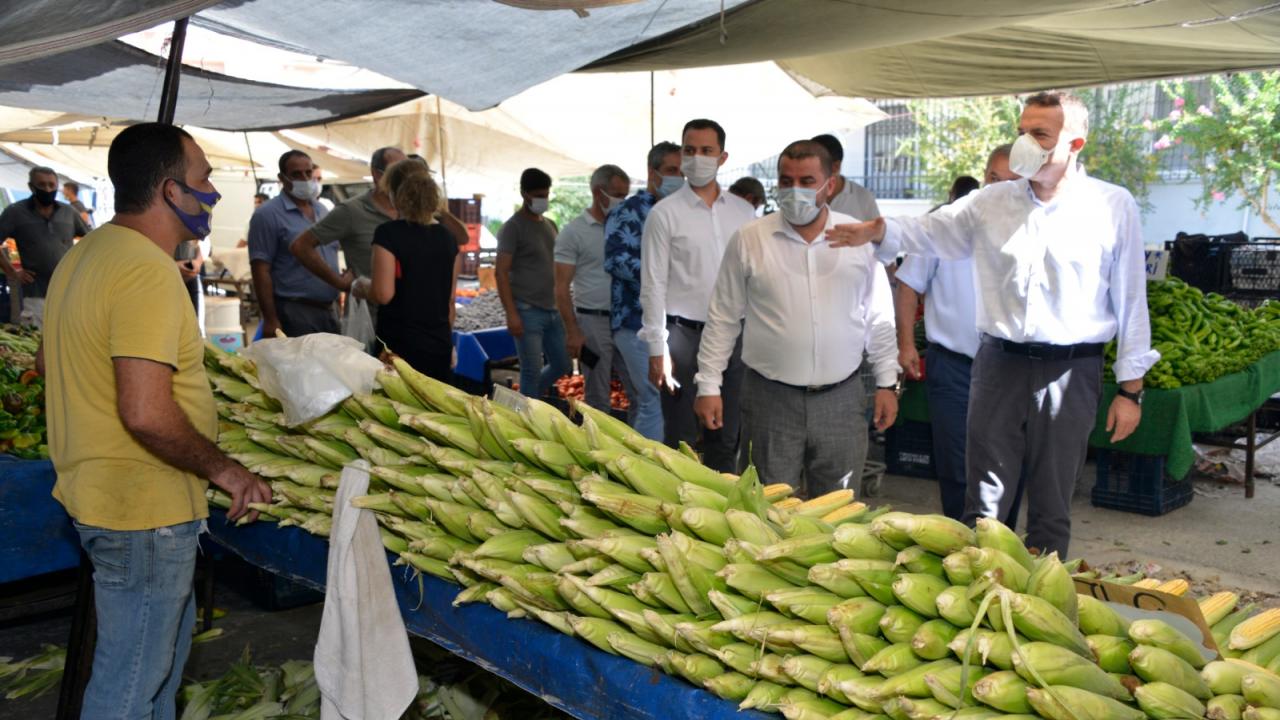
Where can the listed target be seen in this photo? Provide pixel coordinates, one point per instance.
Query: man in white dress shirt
(810, 310)
(951, 326)
(684, 239)
(1059, 269)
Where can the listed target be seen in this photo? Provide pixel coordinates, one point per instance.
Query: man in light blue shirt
(951, 326)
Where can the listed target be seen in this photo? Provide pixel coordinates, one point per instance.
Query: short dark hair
(534, 179)
(964, 185)
(141, 157)
(748, 185)
(832, 144)
(75, 186)
(263, 196)
(378, 162)
(659, 152)
(1075, 114)
(40, 170)
(289, 155)
(801, 149)
(704, 124)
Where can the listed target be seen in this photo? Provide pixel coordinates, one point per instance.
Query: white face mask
(305, 189)
(700, 169)
(1027, 157)
(538, 205)
(611, 202)
(799, 206)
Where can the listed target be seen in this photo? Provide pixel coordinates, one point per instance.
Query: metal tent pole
(173, 72)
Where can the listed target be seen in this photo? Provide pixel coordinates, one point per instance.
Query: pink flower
(1219, 196)
(1175, 115)
(1177, 141)
(1179, 102)
(1148, 125)
(1205, 111)
(1163, 143)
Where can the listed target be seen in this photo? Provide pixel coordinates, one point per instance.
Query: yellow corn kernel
(1177, 586)
(1148, 584)
(1217, 606)
(1256, 630)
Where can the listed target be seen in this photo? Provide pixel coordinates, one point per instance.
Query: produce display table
(566, 672)
(36, 536)
(478, 349)
(1169, 417)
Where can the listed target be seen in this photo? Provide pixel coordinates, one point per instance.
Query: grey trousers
(719, 448)
(1035, 414)
(599, 379)
(298, 319)
(814, 442)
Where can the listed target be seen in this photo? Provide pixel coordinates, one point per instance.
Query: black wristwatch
(1134, 396)
(895, 388)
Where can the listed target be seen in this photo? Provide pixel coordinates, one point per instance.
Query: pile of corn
(816, 609)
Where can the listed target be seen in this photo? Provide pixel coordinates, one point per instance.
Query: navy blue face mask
(44, 197)
(198, 223)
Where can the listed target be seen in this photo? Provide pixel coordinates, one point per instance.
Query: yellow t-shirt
(117, 294)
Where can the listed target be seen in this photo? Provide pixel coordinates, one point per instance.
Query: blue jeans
(647, 401)
(146, 607)
(543, 335)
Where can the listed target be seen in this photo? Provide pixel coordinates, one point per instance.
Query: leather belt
(685, 322)
(1046, 351)
(585, 311)
(815, 389)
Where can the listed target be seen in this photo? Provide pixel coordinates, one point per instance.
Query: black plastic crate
(908, 450)
(1138, 484)
(1247, 271)
(1253, 268)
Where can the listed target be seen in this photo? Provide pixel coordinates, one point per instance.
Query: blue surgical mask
(799, 206)
(198, 223)
(670, 184)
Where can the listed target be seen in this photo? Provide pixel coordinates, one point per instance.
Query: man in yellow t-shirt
(132, 421)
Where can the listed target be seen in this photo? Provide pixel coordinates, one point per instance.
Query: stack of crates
(1138, 484)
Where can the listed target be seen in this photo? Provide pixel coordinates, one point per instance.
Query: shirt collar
(693, 199)
(289, 203)
(786, 231)
(591, 219)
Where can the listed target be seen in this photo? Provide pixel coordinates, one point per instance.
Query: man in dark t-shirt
(44, 230)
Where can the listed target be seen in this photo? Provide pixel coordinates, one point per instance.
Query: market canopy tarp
(478, 53)
(115, 80)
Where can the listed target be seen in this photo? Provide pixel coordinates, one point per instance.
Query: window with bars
(886, 173)
(1175, 161)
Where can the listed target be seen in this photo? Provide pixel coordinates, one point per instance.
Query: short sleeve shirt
(42, 242)
(581, 244)
(118, 295)
(531, 243)
(855, 201)
(352, 225)
(424, 280)
(272, 229)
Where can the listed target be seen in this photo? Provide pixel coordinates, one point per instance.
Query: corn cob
(858, 542)
(958, 569)
(1010, 573)
(1226, 707)
(1177, 586)
(886, 529)
(1166, 702)
(811, 604)
(818, 640)
(1163, 635)
(748, 527)
(1098, 618)
(898, 623)
(1051, 581)
(1111, 652)
(764, 696)
(1260, 713)
(892, 660)
(730, 686)
(806, 550)
(916, 559)
(638, 511)
(1256, 630)
(854, 512)
(1261, 689)
(663, 588)
(1217, 606)
(702, 638)
(697, 668)
(509, 546)
(431, 566)
(837, 578)
(805, 670)
(752, 581)
(919, 592)
(1155, 664)
(955, 607)
(636, 648)
(1059, 666)
(938, 534)
(864, 693)
(1003, 690)
(691, 495)
(831, 678)
(931, 639)
(708, 524)
(944, 685)
(993, 534)
(1053, 703)
(1224, 676)
(824, 504)
(1222, 629)
(1264, 654)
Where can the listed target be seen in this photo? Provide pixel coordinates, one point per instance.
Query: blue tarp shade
(36, 536)
(566, 672)
(115, 80)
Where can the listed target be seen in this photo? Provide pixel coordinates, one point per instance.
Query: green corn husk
(916, 559)
(957, 568)
(573, 594)
(475, 593)
(861, 647)
(911, 683)
(856, 541)
(664, 626)
(509, 546)
(1011, 574)
(539, 515)
(892, 660)
(596, 631)
(1264, 654)
(752, 625)
(857, 615)
(1163, 635)
(428, 565)
(818, 640)
(614, 576)
(792, 572)
(1059, 666)
(1039, 620)
(1222, 629)
(1261, 689)
(663, 588)
(944, 684)
(932, 638)
(691, 495)
(702, 638)
(690, 470)
(938, 534)
(919, 592)
(397, 389)
(1166, 702)
(708, 524)
(898, 623)
(502, 600)
(693, 580)
(955, 607)
(730, 686)
(1098, 618)
(992, 533)
(808, 708)
(806, 550)
(764, 696)
(1111, 652)
(748, 527)
(1226, 707)
(442, 547)
(885, 527)
(394, 440)
(1003, 690)
(831, 678)
(1053, 703)
(1224, 677)
(636, 648)
(625, 550)
(768, 667)
(638, 511)
(921, 708)
(752, 581)
(731, 605)
(808, 603)
(1050, 581)
(738, 655)
(647, 478)
(697, 668)
(794, 525)
(836, 579)
(864, 693)
(1155, 664)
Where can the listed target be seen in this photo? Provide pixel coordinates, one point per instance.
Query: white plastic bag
(358, 323)
(311, 374)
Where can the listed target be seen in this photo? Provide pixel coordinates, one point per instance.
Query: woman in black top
(415, 273)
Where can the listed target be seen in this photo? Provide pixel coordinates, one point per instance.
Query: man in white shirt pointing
(1059, 270)
(684, 239)
(810, 311)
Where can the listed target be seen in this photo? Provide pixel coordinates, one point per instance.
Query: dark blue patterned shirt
(622, 232)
